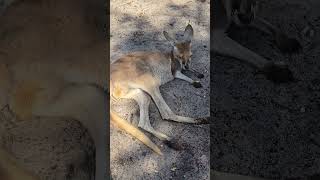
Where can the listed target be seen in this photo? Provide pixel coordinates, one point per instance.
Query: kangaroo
(53, 63)
(147, 72)
(243, 13)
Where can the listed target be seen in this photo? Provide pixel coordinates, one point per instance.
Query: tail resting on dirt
(134, 131)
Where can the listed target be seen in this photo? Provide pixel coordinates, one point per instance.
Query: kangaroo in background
(53, 63)
(139, 75)
(243, 13)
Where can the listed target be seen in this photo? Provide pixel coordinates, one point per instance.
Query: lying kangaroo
(243, 13)
(53, 63)
(139, 75)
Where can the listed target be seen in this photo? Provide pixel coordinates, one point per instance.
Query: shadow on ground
(139, 26)
(261, 128)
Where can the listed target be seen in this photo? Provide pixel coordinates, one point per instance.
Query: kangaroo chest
(163, 71)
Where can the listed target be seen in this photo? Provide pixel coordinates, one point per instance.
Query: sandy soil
(258, 128)
(264, 129)
(138, 25)
(52, 148)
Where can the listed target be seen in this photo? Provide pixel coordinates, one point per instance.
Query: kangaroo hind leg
(165, 110)
(143, 100)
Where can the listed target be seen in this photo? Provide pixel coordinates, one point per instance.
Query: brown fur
(46, 48)
(185, 49)
(139, 75)
(24, 96)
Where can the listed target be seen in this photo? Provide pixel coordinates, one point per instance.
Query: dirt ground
(264, 129)
(258, 128)
(52, 148)
(138, 25)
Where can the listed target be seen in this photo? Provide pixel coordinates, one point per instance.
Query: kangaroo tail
(135, 132)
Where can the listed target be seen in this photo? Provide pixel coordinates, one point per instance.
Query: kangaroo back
(137, 68)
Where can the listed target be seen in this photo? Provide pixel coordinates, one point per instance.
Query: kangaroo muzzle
(185, 65)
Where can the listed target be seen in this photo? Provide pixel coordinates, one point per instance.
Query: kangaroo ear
(169, 38)
(188, 33)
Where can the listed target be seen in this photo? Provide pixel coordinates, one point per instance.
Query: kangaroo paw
(202, 120)
(278, 73)
(197, 84)
(174, 144)
(287, 44)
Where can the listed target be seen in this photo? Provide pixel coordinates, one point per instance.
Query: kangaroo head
(182, 49)
(244, 12)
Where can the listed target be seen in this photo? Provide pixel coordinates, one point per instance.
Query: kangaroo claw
(287, 44)
(278, 73)
(197, 84)
(202, 120)
(174, 144)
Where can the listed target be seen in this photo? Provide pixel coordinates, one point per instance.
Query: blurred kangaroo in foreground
(243, 13)
(53, 63)
(139, 75)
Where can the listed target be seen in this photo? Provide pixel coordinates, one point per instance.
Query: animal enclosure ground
(264, 129)
(138, 25)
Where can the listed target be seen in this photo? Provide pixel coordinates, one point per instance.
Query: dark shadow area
(260, 128)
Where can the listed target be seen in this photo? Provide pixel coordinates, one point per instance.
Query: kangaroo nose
(186, 66)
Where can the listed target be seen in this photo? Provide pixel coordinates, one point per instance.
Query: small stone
(173, 168)
(303, 109)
